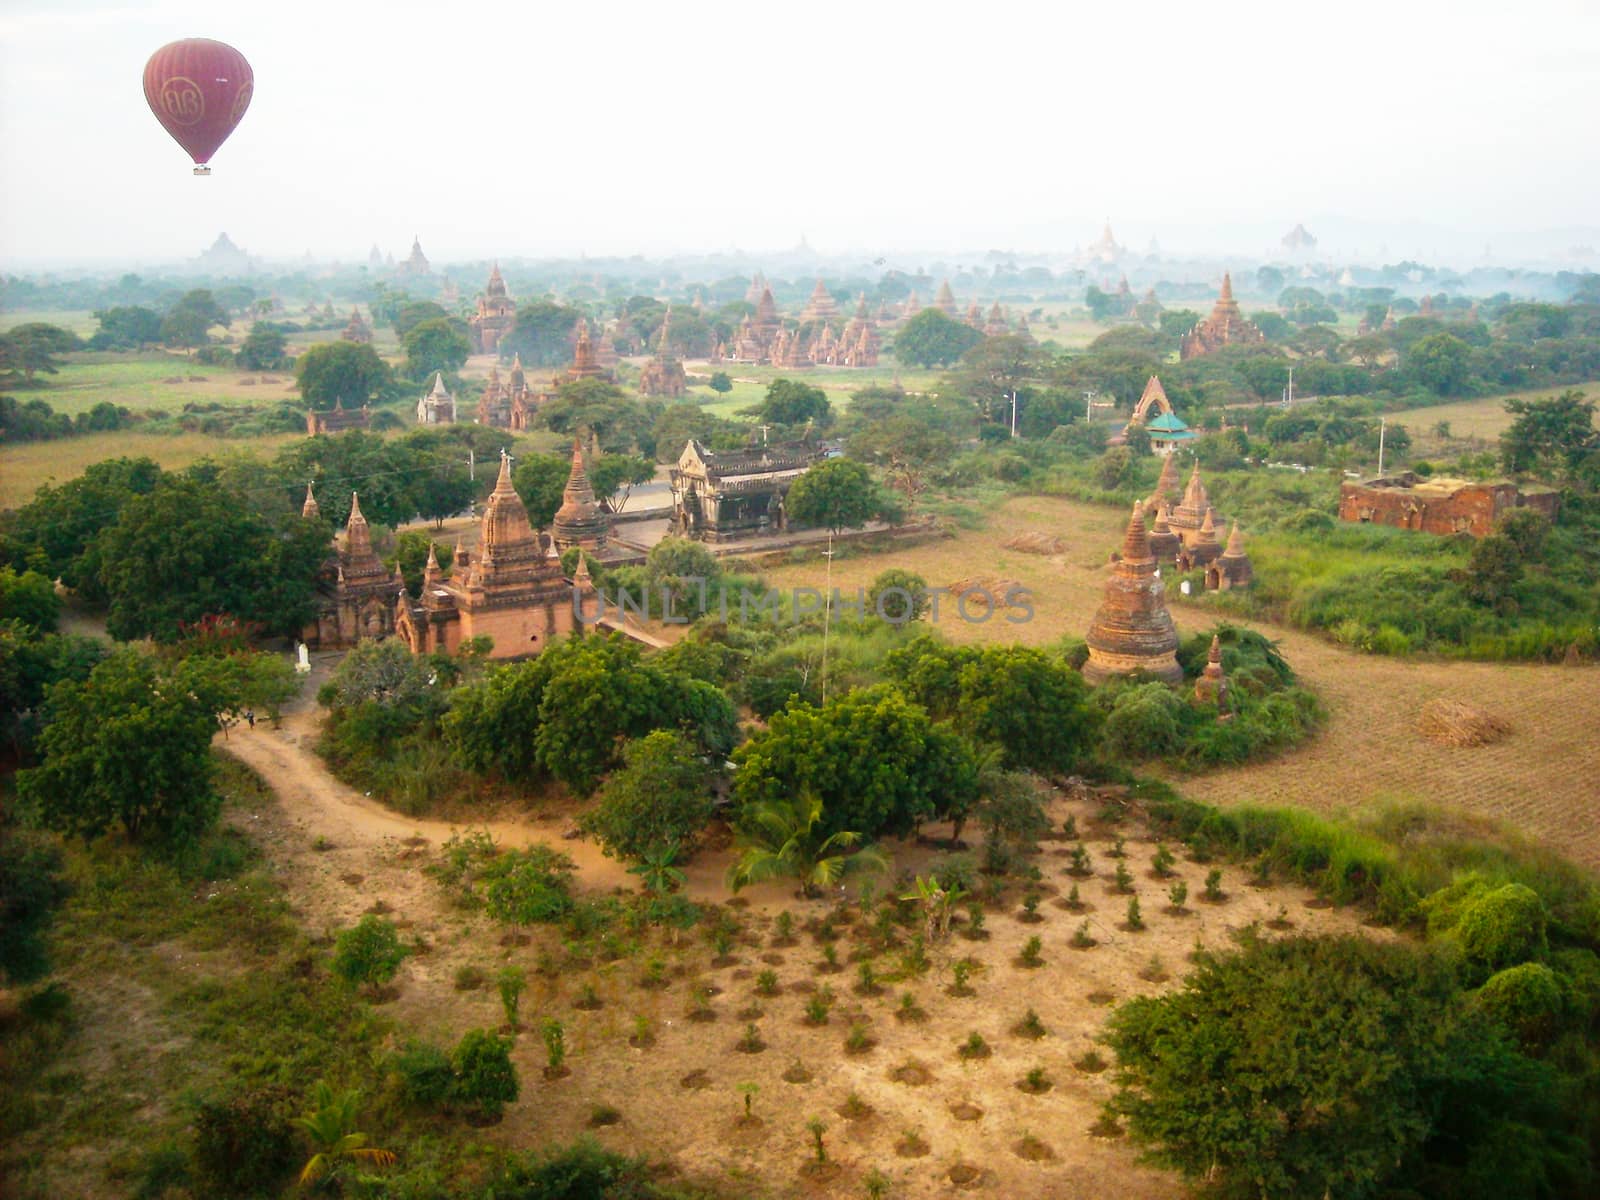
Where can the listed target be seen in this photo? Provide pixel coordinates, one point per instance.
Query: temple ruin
(1226, 326)
(496, 316)
(1439, 505)
(1132, 630)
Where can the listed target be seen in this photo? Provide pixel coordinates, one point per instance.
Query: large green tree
(792, 403)
(658, 801)
(838, 494)
(191, 318)
(543, 333)
(1550, 437)
(130, 748)
(58, 528)
(876, 760)
(126, 327)
(341, 372)
(264, 348)
(189, 549)
(439, 344)
(1441, 363)
(1318, 1067)
(931, 339)
(29, 349)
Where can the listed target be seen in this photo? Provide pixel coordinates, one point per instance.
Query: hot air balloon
(198, 90)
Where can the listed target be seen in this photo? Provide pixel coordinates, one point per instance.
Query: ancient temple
(580, 521)
(1190, 513)
(1299, 241)
(416, 262)
(663, 375)
(438, 407)
(996, 324)
(1232, 567)
(717, 496)
(355, 594)
(1167, 490)
(1132, 631)
(913, 306)
(758, 288)
(974, 316)
(310, 510)
(858, 344)
(753, 341)
(511, 591)
(1202, 549)
(1212, 686)
(1164, 544)
(1105, 249)
(496, 315)
(821, 306)
(1226, 326)
(585, 363)
(356, 330)
(337, 419)
(945, 301)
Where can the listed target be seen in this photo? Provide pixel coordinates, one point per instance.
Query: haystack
(987, 589)
(1457, 723)
(1035, 543)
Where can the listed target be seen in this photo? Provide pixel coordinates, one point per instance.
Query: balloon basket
(202, 170)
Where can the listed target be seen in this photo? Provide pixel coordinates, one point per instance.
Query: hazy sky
(549, 128)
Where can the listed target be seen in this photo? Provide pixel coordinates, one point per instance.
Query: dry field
(24, 467)
(1474, 424)
(680, 1096)
(1544, 777)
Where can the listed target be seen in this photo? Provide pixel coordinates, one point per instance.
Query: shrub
(423, 1074)
(523, 887)
(485, 1079)
(658, 800)
(244, 1144)
(370, 954)
(1503, 927)
(1526, 999)
(1145, 721)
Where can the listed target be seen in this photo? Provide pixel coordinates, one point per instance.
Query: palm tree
(335, 1142)
(780, 838)
(658, 870)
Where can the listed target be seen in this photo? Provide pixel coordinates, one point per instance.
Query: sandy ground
(1544, 777)
(680, 1098)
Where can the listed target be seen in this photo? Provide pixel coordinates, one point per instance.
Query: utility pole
(1013, 412)
(472, 467)
(1088, 405)
(1382, 424)
(827, 614)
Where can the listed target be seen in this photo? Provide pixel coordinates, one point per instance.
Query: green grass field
(79, 321)
(155, 381)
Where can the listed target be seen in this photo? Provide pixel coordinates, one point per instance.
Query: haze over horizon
(655, 129)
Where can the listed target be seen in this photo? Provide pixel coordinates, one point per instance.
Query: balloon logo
(199, 90)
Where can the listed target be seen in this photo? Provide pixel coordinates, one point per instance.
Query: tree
(1439, 362)
(837, 494)
(876, 761)
(263, 348)
(369, 954)
(543, 333)
(438, 344)
(341, 372)
(30, 599)
(790, 402)
(540, 480)
(61, 524)
(485, 1079)
(336, 1144)
(785, 838)
(188, 549)
(1318, 1067)
(909, 445)
(720, 383)
(1030, 704)
(932, 339)
(191, 318)
(996, 370)
(126, 327)
(1550, 437)
(413, 313)
(660, 799)
(613, 477)
(31, 889)
(898, 596)
(125, 749)
(31, 348)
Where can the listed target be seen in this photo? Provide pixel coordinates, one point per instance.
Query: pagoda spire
(310, 510)
(579, 521)
(1226, 296)
(1132, 630)
(1235, 547)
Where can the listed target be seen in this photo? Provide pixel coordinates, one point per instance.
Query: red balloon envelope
(198, 90)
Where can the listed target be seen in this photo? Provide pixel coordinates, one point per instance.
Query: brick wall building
(1439, 505)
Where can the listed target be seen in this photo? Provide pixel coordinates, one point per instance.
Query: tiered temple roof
(1132, 631)
(1226, 326)
(821, 306)
(585, 364)
(996, 325)
(310, 510)
(945, 301)
(663, 375)
(579, 521)
(357, 330)
(1233, 567)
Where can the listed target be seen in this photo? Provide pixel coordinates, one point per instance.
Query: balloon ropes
(198, 89)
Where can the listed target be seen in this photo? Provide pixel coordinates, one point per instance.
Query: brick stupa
(579, 521)
(1132, 631)
(1226, 326)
